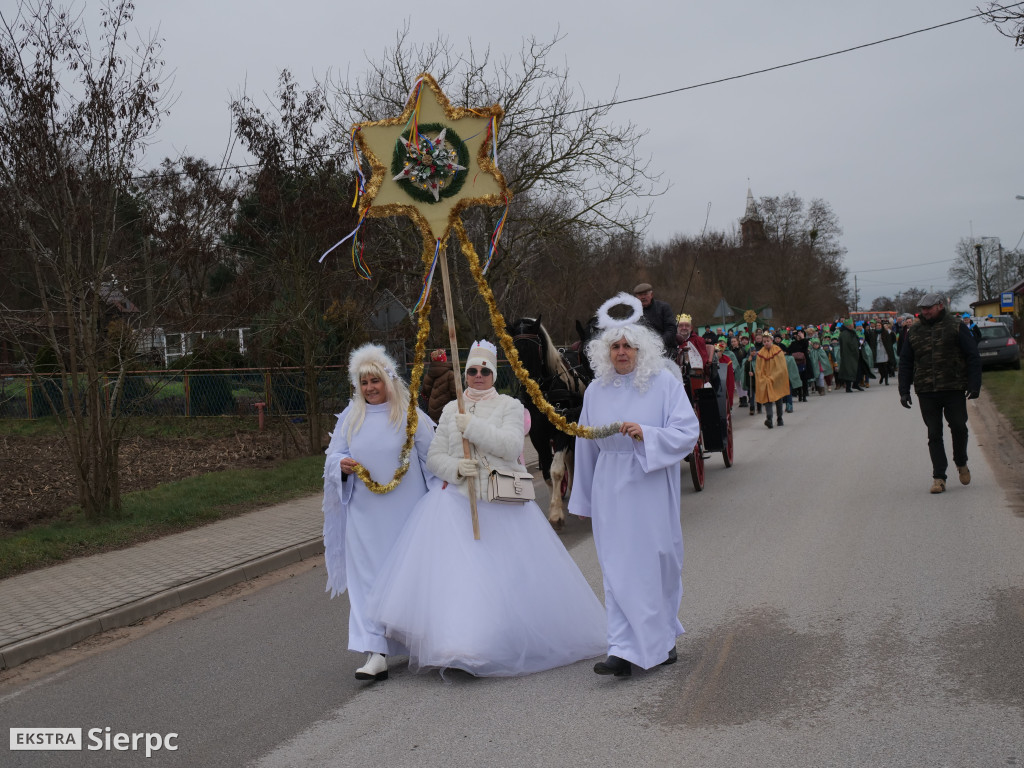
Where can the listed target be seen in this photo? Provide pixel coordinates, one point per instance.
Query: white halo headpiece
(605, 321)
(370, 353)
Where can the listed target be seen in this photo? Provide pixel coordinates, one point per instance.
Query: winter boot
(375, 668)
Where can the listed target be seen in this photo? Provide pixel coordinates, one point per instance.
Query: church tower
(752, 225)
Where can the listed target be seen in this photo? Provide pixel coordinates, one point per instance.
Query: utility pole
(856, 295)
(977, 253)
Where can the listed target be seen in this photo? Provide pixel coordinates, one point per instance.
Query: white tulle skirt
(512, 603)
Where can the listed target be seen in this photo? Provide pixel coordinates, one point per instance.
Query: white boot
(375, 668)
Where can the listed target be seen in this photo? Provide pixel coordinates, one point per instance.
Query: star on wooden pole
(434, 175)
(431, 163)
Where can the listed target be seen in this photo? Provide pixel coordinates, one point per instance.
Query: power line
(793, 63)
(907, 266)
(698, 85)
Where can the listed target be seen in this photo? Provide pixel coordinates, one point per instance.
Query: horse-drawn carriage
(711, 401)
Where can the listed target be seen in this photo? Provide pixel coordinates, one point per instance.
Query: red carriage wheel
(727, 449)
(697, 468)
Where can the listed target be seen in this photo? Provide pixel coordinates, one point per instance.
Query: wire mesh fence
(195, 393)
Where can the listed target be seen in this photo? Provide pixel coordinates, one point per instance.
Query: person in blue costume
(360, 527)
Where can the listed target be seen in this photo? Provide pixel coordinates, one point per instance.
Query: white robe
(631, 490)
(360, 527)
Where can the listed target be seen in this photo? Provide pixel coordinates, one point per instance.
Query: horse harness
(567, 402)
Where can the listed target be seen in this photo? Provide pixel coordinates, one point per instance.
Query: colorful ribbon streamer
(346, 237)
(358, 264)
(425, 293)
(496, 236)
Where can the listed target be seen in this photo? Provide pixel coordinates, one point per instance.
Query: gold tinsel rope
(412, 416)
(498, 323)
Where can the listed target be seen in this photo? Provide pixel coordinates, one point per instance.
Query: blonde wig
(373, 360)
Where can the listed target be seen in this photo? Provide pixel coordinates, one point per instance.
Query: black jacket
(659, 318)
(939, 356)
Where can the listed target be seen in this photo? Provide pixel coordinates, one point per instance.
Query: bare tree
(1007, 18)
(802, 257)
(74, 118)
(964, 274)
(189, 205)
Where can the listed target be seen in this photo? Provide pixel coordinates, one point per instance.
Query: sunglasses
(475, 371)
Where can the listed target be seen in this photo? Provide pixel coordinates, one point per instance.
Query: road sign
(1006, 302)
(723, 310)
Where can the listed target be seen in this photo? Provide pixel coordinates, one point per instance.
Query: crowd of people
(398, 499)
(934, 351)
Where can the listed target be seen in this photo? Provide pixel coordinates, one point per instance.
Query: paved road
(836, 613)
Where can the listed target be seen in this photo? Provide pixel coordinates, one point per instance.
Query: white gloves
(469, 468)
(462, 421)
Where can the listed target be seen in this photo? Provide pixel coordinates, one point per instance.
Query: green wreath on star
(398, 160)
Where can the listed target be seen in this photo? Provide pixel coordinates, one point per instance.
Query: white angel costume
(631, 490)
(361, 527)
(512, 603)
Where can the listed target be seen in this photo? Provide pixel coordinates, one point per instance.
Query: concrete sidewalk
(53, 608)
(46, 610)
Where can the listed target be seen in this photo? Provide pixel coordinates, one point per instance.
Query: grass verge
(168, 508)
(1007, 391)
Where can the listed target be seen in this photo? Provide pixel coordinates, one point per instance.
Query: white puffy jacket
(495, 433)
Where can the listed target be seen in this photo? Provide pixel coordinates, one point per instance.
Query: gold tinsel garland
(498, 323)
(412, 416)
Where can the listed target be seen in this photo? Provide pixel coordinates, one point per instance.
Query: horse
(563, 387)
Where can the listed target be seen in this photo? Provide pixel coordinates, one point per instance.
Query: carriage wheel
(727, 450)
(697, 468)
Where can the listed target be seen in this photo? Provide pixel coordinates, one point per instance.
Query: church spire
(752, 225)
(751, 213)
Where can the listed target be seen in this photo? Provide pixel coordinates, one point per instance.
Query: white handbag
(506, 486)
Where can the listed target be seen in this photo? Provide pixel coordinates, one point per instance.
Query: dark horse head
(536, 351)
(586, 333)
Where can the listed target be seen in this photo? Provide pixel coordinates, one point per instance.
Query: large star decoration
(430, 161)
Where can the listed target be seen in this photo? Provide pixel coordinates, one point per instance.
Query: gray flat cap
(643, 288)
(930, 300)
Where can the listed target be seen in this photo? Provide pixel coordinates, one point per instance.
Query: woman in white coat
(629, 485)
(512, 602)
(360, 527)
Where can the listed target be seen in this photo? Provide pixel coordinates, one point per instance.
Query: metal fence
(234, 392)
(193, 393)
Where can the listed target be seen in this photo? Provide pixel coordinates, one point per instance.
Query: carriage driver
(692, 350)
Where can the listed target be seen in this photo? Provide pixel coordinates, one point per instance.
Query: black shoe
(672, 658)
(613, 665)
(751, 411)
(858, 387)
(768, 423)
(780, 422)
(849, 388)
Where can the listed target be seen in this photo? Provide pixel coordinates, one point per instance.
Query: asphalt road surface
(837, 614)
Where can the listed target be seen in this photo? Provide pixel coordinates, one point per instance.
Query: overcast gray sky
(915, 143)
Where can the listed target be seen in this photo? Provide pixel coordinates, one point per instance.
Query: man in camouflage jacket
(940, 358)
